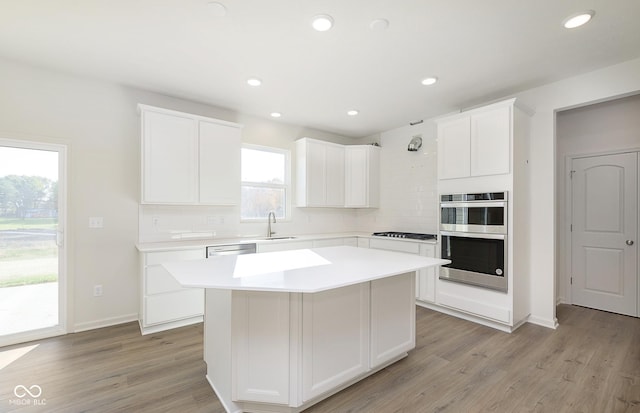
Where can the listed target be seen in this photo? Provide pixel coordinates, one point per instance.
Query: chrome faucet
(269, 232)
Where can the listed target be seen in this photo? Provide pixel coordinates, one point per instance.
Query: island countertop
(303, 271)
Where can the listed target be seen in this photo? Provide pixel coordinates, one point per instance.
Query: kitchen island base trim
(264, 355)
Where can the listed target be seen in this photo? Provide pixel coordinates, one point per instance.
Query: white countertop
(184, 244)
(303, 271)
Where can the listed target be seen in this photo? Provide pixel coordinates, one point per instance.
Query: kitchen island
(284, 330)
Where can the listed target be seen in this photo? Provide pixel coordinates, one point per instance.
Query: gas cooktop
(408, 235)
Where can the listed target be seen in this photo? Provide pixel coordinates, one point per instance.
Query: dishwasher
(231, 249)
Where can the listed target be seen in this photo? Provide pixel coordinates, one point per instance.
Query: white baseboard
(544, 322)
(105, 322)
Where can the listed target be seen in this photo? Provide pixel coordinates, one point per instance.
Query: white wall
(100, 124)
(614, 81)
(408, 183)
(594, 129)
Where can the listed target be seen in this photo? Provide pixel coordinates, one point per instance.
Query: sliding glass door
(32, 250)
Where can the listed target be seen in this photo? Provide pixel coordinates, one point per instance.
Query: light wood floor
(591, 363)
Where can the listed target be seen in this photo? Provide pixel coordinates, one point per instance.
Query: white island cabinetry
(189, 159)
(282, 340)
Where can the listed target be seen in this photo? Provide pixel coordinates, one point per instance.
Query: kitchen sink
(275, 238)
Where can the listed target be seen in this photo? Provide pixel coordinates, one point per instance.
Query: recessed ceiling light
(276, 114)
(217, 9)
(379, 25)
(352, 112)
(578, 19)
(322, 22)
(428, 81)
(254, 81)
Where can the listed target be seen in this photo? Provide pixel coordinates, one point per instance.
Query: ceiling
(479, 50)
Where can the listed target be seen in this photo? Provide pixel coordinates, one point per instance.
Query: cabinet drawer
(319, 243)
(152, 258)
(158, 280)
(164, 308)
(500, 314)
(391, 245)
(351, 241)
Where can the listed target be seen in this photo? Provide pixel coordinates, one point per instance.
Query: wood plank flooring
(591, 363)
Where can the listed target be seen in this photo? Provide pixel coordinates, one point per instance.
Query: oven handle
(472, 235)
(494, 204)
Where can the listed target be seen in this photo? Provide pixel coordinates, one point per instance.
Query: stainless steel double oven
(473, 235)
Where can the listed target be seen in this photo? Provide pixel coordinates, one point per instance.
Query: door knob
(629, 242)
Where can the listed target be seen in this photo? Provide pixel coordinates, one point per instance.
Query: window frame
(286, 185)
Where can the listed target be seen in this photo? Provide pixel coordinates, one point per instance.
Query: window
(266, 182)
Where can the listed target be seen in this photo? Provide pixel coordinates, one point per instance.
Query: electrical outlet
(97, 290)
(96, 222)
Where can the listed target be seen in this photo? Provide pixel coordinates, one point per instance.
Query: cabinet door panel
(453, 148)
(334, 173)
(356, 177)
(490, 138)
(261, 346)
(426, 278)
(393, 319)
(219, 179)
(335, 338)
(316, 187)
(170, 158)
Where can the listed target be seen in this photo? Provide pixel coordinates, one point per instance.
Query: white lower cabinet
(164, 303)
(289, 350)
(261, 346)
(426, 278)
(271, 246)
(426, 282)
(393, 318)
(333, 242)
(335, 338)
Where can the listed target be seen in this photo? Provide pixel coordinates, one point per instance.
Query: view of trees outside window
(28, 249)
(264, 183)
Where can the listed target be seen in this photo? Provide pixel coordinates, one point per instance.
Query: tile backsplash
(408, 183)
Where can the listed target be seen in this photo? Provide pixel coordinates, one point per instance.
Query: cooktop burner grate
(408, 235)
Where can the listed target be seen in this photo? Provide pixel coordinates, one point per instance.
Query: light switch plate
(96, 222)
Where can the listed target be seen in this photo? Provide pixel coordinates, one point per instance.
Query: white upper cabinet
(454, 150)
(491, 142)
(362, 176)
(319, 173)
(169, 158)
(333, 175)
(477, 142)
(219, 162)
(189, 159)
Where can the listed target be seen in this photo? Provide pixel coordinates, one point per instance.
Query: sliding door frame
(65, 286)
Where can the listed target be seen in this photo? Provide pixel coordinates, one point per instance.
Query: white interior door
(604, 219)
